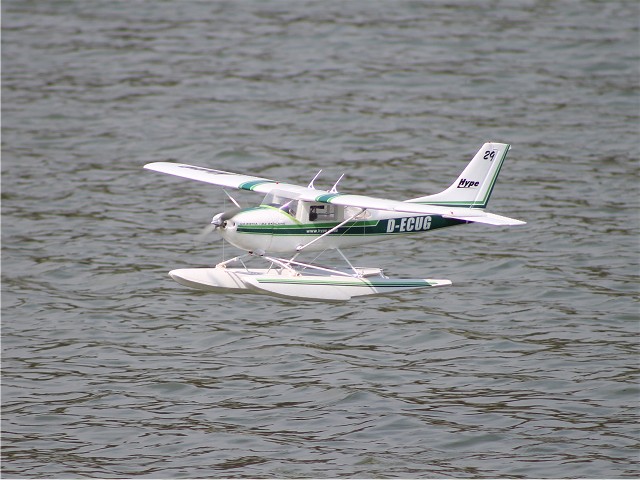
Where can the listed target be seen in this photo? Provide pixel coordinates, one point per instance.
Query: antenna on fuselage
(334, 189)
(314, 179)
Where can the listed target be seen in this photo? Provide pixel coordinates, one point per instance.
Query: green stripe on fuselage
(367, 227)
(316, 229)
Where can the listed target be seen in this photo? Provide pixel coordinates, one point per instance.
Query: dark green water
(526, 367)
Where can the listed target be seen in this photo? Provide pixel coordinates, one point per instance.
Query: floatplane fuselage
(285, 225)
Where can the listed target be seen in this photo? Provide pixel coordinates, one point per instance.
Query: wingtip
(157, 165)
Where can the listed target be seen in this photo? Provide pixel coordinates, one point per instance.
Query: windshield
(278, 198)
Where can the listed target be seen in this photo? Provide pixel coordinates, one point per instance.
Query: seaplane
(293, 219)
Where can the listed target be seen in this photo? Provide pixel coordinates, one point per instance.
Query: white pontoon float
(293, 279)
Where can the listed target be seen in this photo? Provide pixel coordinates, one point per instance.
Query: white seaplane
(293, 219)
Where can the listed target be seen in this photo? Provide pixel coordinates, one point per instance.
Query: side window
(359, 214)
(322, 213)
(290, 207)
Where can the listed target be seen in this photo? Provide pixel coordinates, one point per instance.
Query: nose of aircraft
(224, 219)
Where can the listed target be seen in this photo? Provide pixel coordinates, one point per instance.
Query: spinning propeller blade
(205, 232)
(231, 198)
(218, 221)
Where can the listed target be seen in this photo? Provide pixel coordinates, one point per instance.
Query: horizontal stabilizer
(492, 219)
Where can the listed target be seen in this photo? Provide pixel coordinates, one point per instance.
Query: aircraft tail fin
(473, 187)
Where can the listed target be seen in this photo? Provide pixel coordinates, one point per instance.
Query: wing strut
(348, 262)
(299, 248)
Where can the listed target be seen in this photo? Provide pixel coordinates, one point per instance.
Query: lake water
(527, 366)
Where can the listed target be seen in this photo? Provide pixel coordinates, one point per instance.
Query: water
(526, 367)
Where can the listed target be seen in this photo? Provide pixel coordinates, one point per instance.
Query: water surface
(527, 366)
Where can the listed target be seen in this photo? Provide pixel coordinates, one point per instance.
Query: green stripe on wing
(327, 197)
(251, 185)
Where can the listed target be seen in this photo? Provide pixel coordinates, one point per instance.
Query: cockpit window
(277, 198)
(282, 200)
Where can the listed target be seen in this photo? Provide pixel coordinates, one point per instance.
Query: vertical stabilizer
(473, 187)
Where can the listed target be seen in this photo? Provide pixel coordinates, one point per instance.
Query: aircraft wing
(265, 185)
(222, 178)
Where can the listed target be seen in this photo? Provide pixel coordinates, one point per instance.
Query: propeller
(218, 221)
(231, 198)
